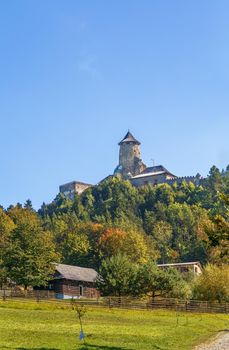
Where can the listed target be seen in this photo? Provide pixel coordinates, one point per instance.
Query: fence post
(119, 301)
(4, 295)
(38, 295)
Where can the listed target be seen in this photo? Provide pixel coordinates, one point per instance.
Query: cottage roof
(75, 273)
(129, 138)
(153, 171)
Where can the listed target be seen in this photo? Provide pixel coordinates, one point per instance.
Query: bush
(213, 284)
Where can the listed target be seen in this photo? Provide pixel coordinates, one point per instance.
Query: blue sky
(76, 75)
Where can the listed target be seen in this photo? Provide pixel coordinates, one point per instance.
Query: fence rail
(122, 302)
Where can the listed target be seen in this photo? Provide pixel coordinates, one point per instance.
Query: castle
(132, 168)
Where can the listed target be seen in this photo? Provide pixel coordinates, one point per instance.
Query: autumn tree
(115, 240)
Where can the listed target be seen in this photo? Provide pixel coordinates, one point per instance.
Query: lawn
(42, 326)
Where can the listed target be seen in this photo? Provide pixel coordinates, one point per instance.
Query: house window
(81, 290)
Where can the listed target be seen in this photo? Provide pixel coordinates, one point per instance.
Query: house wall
(68, 289)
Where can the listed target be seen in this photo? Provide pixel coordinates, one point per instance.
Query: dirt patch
(221, 342)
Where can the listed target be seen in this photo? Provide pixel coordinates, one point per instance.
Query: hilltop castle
(132, 168)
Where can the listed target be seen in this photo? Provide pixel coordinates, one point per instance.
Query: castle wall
(196, 180)
(165, 178)
(71, 188)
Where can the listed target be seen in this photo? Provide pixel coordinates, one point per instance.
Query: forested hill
(165, 223)
(162, 224)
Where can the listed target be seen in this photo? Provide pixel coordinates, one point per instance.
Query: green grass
(45, 326)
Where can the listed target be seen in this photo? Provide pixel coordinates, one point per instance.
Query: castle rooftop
(157, 169)
(129, 138)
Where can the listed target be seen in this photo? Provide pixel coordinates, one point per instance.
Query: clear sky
(76, 75)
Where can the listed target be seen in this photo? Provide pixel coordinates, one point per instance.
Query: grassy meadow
(43, 326)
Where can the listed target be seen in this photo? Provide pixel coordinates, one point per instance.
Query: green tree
(71, 240)
(187, 224)
(28, 204)
(30, 251)
(116, 276)
(6, 227)
(155, 281)
(162, 234)
(218, 236)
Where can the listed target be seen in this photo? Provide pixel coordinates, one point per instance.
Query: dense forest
(164, 223)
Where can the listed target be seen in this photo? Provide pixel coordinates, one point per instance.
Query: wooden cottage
(73, 282)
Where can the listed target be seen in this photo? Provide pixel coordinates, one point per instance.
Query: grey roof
(147, 175)
(75, 273)
(129, 138)
(153, 171)
(156, 169)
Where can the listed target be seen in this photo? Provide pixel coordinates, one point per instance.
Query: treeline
(162, 224)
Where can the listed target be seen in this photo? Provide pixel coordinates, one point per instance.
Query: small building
(194, 267)
(73, 282)
(71, 188)
(152, 176)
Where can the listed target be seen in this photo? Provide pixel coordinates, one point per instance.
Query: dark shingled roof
(129, 138)
(75, 273)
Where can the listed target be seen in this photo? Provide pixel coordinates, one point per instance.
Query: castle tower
(130, 163)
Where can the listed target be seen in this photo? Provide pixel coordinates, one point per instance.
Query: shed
(73, 282)
(193, 266)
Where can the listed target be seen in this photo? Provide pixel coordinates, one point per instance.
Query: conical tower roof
(129, 138)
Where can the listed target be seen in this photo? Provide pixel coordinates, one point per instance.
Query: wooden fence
(168, 303)
(122, 302)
